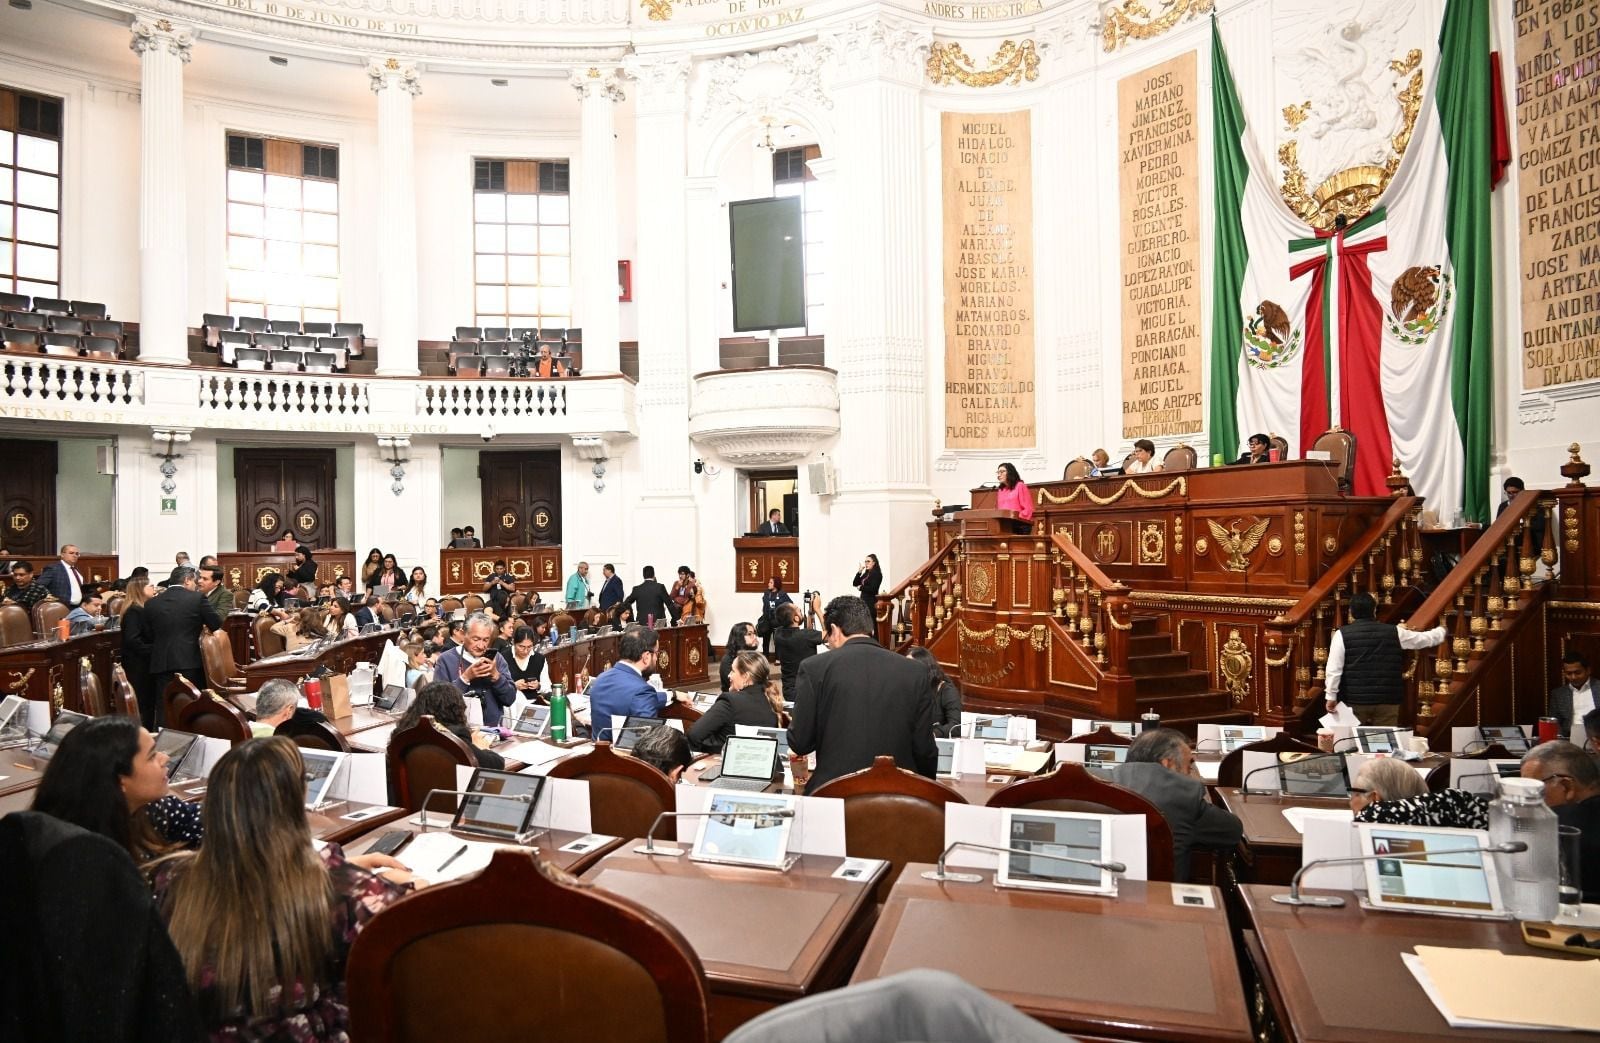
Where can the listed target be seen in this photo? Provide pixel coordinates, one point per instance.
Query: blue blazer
(494, 695)
(54, 578)
(611, 593)
(620, 691)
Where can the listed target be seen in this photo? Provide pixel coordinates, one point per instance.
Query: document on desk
(1297, 816)
(437, 857)
(1486, 988)
(1208, 770)
(539, 755)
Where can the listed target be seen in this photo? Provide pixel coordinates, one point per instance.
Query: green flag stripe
(1230, 253)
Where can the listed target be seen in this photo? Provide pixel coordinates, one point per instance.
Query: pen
(452, 858)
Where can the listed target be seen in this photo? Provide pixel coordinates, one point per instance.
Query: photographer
(796, 645)
(498, 588)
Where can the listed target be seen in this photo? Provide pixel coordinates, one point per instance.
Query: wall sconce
(598, 449)
(166, 441)
(391, 446)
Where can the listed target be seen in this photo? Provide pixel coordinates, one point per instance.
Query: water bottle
(1529, 879)
(558, 714)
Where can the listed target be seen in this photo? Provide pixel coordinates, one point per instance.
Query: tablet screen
(745, 828)
(177, 746)
(1104, 758)
(632, 728)
(1127, 728)
(749, 757)
(1040, 834)
(1514, 739)
(1376, 740)
(1420, 879)
(780, 735)
(65, 721)
(390, 697)
(533, 721)
(322, 767)
(947, 756)
(991, 727)
(1314, 777)
(1232, 736)
(499, 810)
(13, 716)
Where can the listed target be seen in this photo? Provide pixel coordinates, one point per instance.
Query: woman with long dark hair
(137, 646)
(1012, 495)
(524, 661)
(109, 778)
(869, 577)
(741, 638)
(262, 920)
(264, 596)
(946, 696)
(756, 699)
(391, 575)
(417, 588)
(370, 568)
(444, 702)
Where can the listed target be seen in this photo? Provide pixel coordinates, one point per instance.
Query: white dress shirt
(1410, 640)
(75, 581)
(1582, 703)
(1138, 466)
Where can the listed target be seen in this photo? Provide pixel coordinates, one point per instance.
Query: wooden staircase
(1163, 681)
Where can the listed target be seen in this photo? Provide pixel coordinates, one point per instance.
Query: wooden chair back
(561, 622)
(314, 734)
(1180, 457)
(892, 814)
(625, 795)
(1231, 771)
(46, 614)
(125, 700)
(1078, 469)
(92, 691)
(114, 604)
(1072, 788)
(448, 605)
(180, 693)
(216, 652)
(573, 950)
(423, 759)
(1340, 445)
(262, 639)
(1101, 736)
(1280, 443)
(473, 603)
(16, 628)
(214, 716)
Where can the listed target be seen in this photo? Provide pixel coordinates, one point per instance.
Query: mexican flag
(1382, 326)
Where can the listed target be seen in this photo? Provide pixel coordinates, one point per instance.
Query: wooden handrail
(1480, 556)
(1062, 542)
(1344, 564)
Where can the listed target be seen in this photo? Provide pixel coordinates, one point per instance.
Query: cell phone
(390, 842)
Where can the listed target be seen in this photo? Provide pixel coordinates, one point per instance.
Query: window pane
(38, 190)
(522, 239)
(491, 238)
(5, 184)
(490, 320)
(282, 257)
(6, 144)
(38, 226)
(283, 191)
(489, 206)
(245, 186)
(523, 209)
(320, 293)
(283, 224)
(320, 260)
(523, 298)
(38, 289)
(247, 286)
(784, 189)
(492, 298)
(282, 290)
(491, 267)
(522, 270)
(553, 210)
(5, 230)
(554, 240)
(321, 315)
(38, 153)
(37, 262)
(557, 299)
(244, 219)
(5, 258)
(290, 312)
(814, 319)
(254, 311)
(322, 195)
(531, 321)
(245, 252)
(320, 228)
(555, 271)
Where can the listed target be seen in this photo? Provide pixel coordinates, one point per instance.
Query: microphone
(940, 873)
(520, 798)
(1244, 784)
(1294, 897)
(649, 845)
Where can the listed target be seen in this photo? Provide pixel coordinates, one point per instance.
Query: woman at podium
(1013, 492)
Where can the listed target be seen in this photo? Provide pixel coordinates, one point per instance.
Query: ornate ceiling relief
(1132, 20)
(1352, 90)
(760, 82)
(1012, 63)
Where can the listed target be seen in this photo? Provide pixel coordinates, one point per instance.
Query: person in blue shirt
(477, 671)
(577, 592)
(622, 690)
(89, 616)
(611, 592)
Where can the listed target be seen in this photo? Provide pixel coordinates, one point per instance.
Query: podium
(992, 523)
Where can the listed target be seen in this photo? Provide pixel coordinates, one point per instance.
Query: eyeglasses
(1551, 778)
(1357, 791)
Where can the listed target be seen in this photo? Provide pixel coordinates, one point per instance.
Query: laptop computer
(1321, 776)
(65, 721)
(626, 737)
(749, 762)
(1514, 739)
(179, 748)
(501, 805)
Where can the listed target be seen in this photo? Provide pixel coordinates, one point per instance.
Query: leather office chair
(587, 964)
(1231, 771)
(91, 691)
(46, 614)
(561, 622)
(423, 759)
(625, 795)
(1280, 443)
(1340, 445)
(1071, 787)
(212, 715)
(468, 366)
(472, 603)
(180, 693)
(1179, 458)
(15, 626)
(892, 814)
(1101, 736)
(262, 639)
(124, 699)
(222, 673)
(114, 604)
(1077, 470)
(448, 605)
(314, 735)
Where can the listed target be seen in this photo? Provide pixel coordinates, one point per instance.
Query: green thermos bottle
(558, 712)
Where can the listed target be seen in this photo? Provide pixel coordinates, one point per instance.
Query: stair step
(1188, 722)
(1146, 625)
(1149, 644)
(1185, 682)
(1203, 705)
(1158, 664)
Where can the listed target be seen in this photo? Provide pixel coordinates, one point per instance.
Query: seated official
(1572, 790)
(109, 778)
(756, 699)
(305, 627)
(1390, 791)
(444, 702)
(277, 976)
(1570, 700)
(794, 643)
(1143, 458)
(665, 749)
(1591, 731)
(1160, 768)
(1260, 451)
(740, 639)
(946, 696)
(23, 590)
(275, 704)
(266, 594)
(1101, 460)
(623, 691)
(89, 616)
(476, 671)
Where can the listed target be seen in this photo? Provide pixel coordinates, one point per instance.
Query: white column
(594, 225)
(665, 510)
(876, 308)
(396, 86)
(163, 51)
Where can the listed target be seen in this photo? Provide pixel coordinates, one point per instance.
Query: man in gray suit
(1160, 768)
(1573, 698)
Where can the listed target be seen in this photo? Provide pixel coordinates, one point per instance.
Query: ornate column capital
(660, 77)
(163, 35)
(391, 72)
(596, 81)
(879, 48)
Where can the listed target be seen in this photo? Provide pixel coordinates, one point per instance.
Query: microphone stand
(1294, 897)
(942, 874)
(649, 845)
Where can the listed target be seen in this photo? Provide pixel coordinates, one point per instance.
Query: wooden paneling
(285, 157)
(50, 670)
(759, 558)
(534, 568)
(28, 500)
(521, 498)
(284, 490)
(97, 568)
(245, 569)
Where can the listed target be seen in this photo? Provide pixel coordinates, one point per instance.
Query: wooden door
(28, 500)
(521, 498)
(285, 490)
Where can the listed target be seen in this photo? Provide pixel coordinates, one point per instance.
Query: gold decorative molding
(1351, 192)
(1152, 544)
(657, 10)
(1181, 485)
(1234, 663)
(1177, 598)
(1299, 533)
(1294, 115)
(1238, 545)
(1131, 20)
(1004, 633)
(1013, 62)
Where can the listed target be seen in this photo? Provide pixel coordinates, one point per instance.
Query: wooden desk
(340, 657)
(463, 572)
(1131, 967)
(547, 846)
(976, 788)
(764, 937)
(681, 656)
(1270, 851)
(244, 569)
(760, 558)
(328, 823)
(50, 670)
(19, 777)
(96, 568)
(1335, 975)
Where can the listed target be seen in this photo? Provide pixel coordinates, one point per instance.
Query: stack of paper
(1486, 988)
(444, 856)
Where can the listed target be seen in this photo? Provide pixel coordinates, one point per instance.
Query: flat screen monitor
(1514, 739)
(768, 241)
(1232, 736)
(633, 727)
(1323, 776)
(1033, 836)
(501, 804)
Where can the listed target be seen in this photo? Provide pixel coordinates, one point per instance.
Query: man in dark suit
(611, 592)
(861, 701)
(1573, 697)
(174, 619)
(773, 526)
(62, 579)
(650, 600)
(1160, 768)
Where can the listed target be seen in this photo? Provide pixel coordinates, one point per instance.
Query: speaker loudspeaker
(105, 458)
